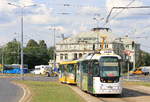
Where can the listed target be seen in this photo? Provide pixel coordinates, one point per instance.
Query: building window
(61, 56)
(75, 56)
(66, 56)
(66, 47)
(106, 46)
(80, 55)
(100, 46)
(127, 46)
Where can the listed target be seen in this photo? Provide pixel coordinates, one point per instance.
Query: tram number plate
(110, 87)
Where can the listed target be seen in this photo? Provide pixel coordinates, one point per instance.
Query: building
(98, 38)
(131, 50)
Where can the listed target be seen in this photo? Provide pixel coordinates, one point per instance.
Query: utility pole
(3, 60)
(54, 56)
(54, 39)
(133, 46)
(17, 39)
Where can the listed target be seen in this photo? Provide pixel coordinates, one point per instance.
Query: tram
(100, 74)
(96, 74)
(68, 70)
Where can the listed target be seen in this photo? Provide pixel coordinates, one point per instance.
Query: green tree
(11, 52)
(42, 44)
(144, 59)
(31, 53)
(32, 43)
(36, 54)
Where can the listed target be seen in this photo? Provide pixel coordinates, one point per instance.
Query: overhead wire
(121, 11)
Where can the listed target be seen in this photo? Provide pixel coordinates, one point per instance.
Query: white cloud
(4, 7)
(8, 24)
(89, 9)
(40, 19)
(58, 28)
(41, 15)
(42, 9)
(82, 28)
(26, 2)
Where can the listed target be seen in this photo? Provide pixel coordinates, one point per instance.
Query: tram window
(95, 68)
(90, 67)
(110, 71)
(62, 68)
(109, 59)
(84, 65)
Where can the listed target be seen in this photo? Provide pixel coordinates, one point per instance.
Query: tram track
(130, 94)
(112, 99)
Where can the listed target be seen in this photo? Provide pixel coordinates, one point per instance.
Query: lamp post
(22, 8)
(2, 58)
(54, 38)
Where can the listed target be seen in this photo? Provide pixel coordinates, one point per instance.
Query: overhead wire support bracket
(138, 7)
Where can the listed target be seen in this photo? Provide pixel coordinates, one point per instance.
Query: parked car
(41, 69)
(141, 70)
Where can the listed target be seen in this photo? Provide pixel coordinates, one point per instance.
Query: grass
(51, 92)
(137, 83)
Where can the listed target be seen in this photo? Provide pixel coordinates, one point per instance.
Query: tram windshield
(109, 67)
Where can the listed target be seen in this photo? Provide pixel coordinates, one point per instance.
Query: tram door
(90, 76)
(76, 66)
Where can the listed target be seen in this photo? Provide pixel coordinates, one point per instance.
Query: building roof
(125, 40)
(91, 36)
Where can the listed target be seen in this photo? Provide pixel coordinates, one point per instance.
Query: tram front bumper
(108, 90)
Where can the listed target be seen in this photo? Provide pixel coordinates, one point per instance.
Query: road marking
(26, 97)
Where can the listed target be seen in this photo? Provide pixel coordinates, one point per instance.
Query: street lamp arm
(30, 5)
(14, 4)
(22, 6)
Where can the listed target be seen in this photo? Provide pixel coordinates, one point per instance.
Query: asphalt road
(9, 92)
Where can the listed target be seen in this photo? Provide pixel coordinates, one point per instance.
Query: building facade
(98, 38)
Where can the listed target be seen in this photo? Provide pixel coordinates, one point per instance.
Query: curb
(86, 96)
(26, 97)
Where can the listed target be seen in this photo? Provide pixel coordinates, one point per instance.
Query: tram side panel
(82, 75)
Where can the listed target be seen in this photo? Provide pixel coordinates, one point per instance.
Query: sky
(40, 20)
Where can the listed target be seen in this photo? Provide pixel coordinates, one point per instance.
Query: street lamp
(22, 8)
(2, 58)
